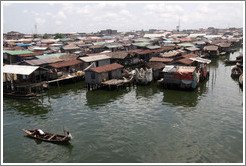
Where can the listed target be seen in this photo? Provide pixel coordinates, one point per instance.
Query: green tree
(35, 36)
(59, 36)
(46, 36)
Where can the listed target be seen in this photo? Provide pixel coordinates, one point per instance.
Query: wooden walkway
(67, 77)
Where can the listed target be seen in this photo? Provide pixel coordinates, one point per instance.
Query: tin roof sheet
(31, 54)
(66, 63)
(201, 60)
(192, 48)
(37, 62)
(19, 69)
(107, 68)
(157, 59)
(186, 69)
(49, 56)
(94, 58)
(118, 55)
(211, 48)
(169, 68)
(18, 52)
(185, 61)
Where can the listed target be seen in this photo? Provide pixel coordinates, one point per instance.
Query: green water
(139, 124)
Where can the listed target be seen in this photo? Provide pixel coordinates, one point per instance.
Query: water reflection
(185, 98)
(55, 92)
(47, 152)
(146, 91)
(27, 107)
(102, 97)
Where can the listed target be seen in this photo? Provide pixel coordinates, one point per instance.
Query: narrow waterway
(133, 125)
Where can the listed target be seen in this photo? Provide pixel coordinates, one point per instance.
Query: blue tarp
(21, 45)
(110, 36)
(167, 41)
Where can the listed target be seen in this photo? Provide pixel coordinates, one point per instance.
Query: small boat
(236, 72)
(20, 96)
(230, 62)
(48, 137)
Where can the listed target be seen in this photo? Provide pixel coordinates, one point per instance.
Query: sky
(87, 17)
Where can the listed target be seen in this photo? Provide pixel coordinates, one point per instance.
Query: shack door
(110, 75)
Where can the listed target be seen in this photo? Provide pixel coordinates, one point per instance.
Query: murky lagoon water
(133, 125)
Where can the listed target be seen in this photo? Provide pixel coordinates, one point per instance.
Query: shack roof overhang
(94, 58)
(19, 52)
(19, 69)
(107, 68)
(201, 60)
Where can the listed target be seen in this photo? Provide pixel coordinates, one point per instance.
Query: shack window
(93, 76)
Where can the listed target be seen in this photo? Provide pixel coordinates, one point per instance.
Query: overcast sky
(66, 17)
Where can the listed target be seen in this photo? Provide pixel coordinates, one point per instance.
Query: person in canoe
(68, 136)
(38, 133)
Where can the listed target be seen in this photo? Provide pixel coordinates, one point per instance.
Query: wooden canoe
(20, 96)
(48, 137)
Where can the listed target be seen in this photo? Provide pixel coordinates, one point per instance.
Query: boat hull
(57, 139)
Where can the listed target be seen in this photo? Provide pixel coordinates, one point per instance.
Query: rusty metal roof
(107, 68)
(157, 59)
(37, 62)
(211, 48)
(118, 55)
(155, 65)
(185, 61)
(94, 58)
(66, 63)
(191, 55)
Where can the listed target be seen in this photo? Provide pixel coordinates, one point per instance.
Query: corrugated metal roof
(192, 48)
(19, 69)
(185, 61)
(186, 45)
(94, 58)
(225, 44)
(191, 55)
(142, 44)
(31, 54)
(201, 60)
(66, 63)
(157, 59)
(71, 48)
(118, 55)
(19, 52)
(170, 54)
(153, 47)
(169, 68)
(186, 69)
(211, 48)
(107, 68)
(50, 56)
(114, 46)
(155, 65)
(37, 62)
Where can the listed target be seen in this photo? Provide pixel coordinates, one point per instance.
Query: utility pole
(178, 27)
(36, 29)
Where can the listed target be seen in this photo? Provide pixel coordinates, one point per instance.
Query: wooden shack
(99, 60)
(185, 77)
(224, 47)
(211, 51)
(157, 68)
(97, 75)
(21, 80)
(124, 58)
